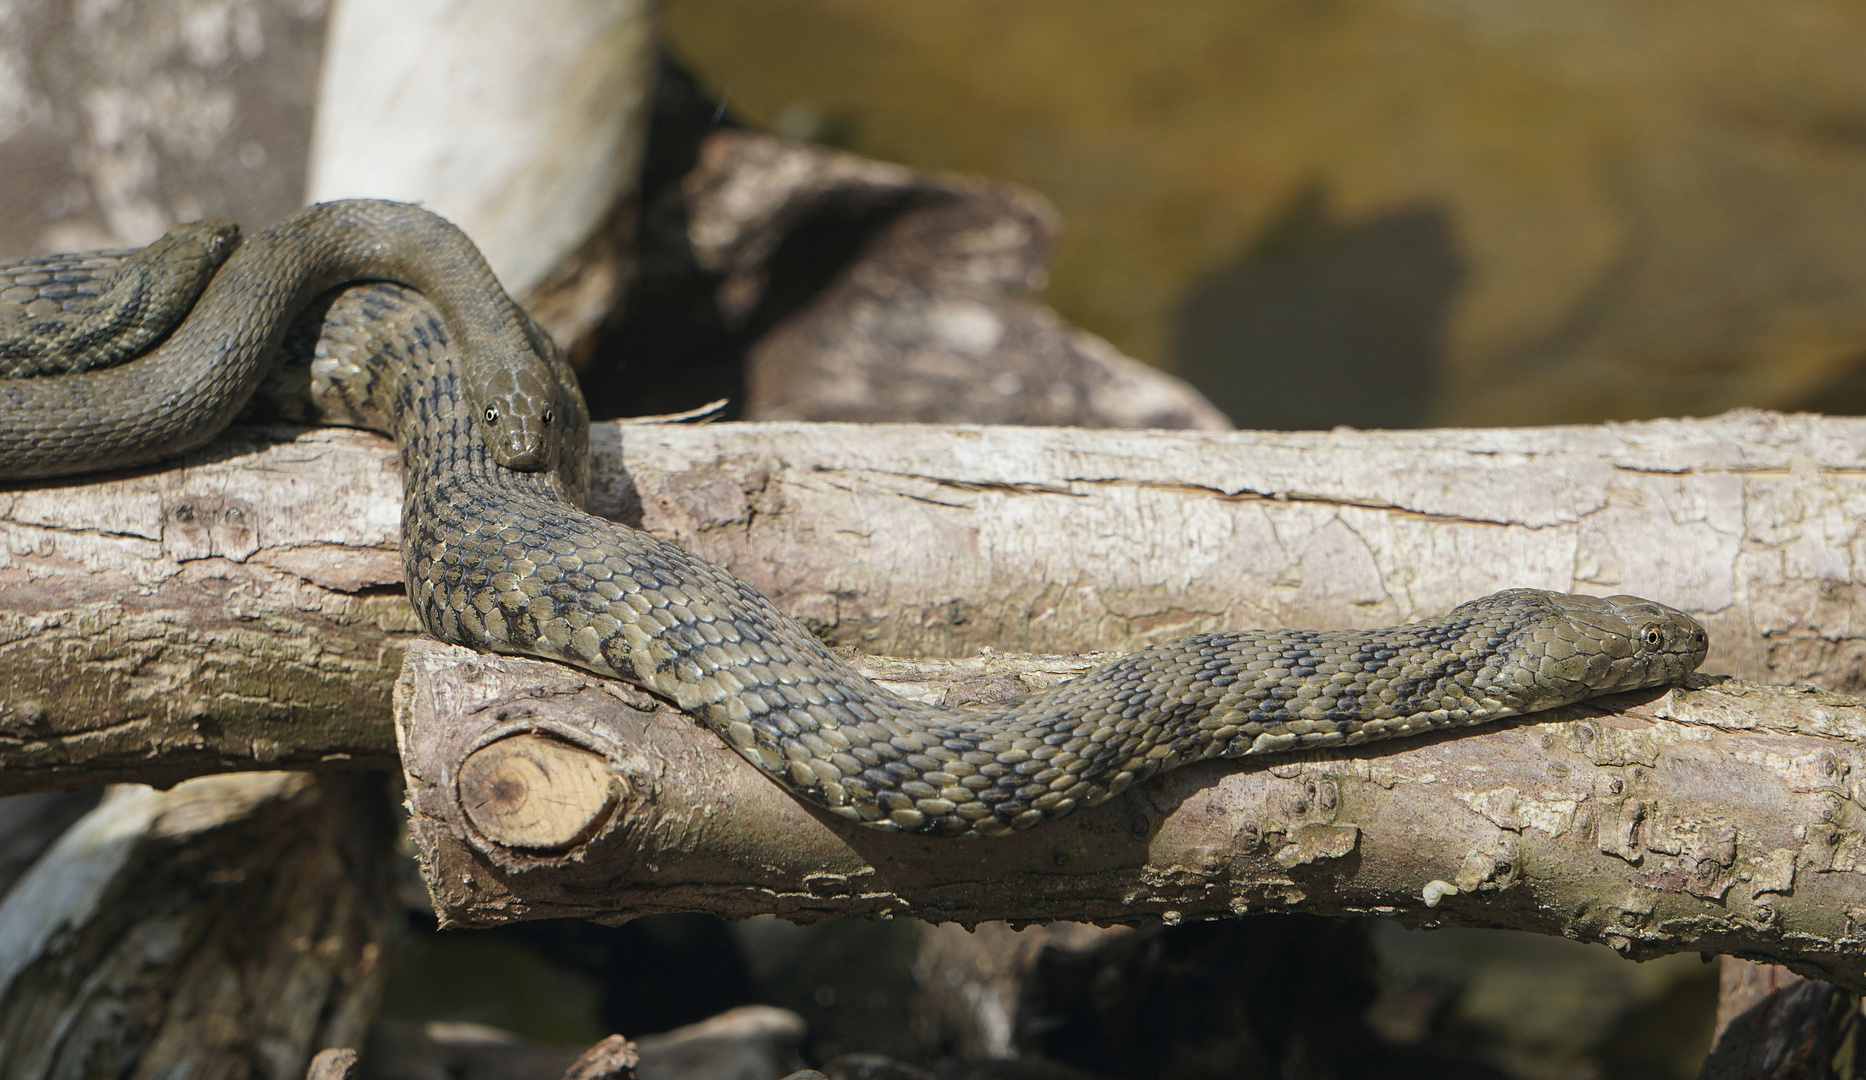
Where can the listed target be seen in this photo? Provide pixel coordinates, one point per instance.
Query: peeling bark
(1723, 818)
(245, 610)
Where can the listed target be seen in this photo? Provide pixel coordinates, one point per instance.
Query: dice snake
(504, 559)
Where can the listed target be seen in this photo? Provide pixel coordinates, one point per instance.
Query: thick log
(244, 610)
(1724, 818)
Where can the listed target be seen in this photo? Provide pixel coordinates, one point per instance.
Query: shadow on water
(1323, 323)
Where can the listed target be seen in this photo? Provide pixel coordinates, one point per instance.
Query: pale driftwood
(233, 926)
(1724, 819)
(979, 980)
(1772, 1022)
(245, 610)
(612, 1058)
(1789, 1026)
(1742, 985)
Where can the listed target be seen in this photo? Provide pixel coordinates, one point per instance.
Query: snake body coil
(61, 314)
(505, 560)
(189, 387)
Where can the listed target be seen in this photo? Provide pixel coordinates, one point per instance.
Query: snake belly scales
(499, 556)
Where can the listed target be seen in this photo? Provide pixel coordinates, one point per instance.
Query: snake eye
(548, 416)
(1652, 637)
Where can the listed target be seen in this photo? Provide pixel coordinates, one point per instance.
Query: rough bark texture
(922, 541)
(245, 610)
(1724, 818)
(229, 928)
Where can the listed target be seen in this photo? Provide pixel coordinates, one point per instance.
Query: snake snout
(524, 451)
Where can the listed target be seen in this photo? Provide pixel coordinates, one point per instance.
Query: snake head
(215, 238)
(525, 402)
(1667, 643)
(1604, 645)
(194, 250)
(520, 414)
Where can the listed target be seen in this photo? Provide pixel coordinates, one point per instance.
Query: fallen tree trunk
(245, 610)
(1725, 818)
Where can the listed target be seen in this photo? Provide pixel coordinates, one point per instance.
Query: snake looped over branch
(499, 556)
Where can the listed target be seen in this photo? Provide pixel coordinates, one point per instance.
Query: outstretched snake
(499, 556)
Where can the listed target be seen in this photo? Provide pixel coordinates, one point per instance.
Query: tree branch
(245, 610)
(1724, 818)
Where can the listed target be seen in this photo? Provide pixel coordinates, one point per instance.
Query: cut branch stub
(533, 792)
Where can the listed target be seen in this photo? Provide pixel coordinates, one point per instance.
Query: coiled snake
(499, 556)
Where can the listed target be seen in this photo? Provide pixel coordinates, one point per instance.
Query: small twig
(703, 415)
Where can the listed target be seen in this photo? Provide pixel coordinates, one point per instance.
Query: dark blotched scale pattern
(67, 313)
(505, 561)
